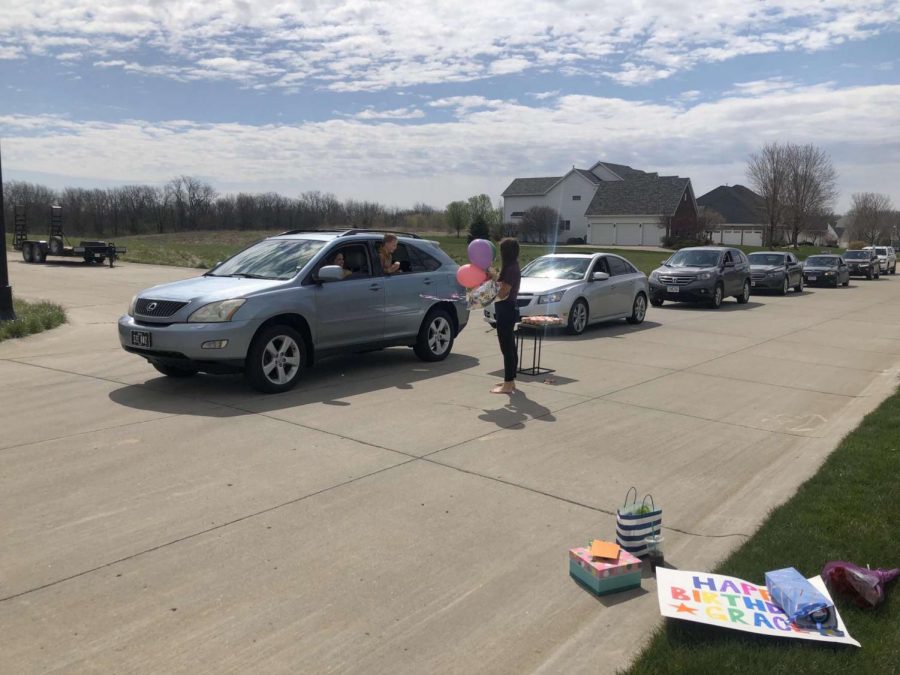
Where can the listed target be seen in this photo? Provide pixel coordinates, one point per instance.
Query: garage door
(602, 235)
(652, 235)
(628, 234)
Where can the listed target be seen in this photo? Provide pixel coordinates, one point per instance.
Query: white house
(608, 204)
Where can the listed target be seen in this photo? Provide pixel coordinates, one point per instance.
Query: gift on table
(605, 575)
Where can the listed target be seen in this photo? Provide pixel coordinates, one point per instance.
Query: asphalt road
(392, 516)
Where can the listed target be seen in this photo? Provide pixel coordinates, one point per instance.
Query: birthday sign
(730, 602)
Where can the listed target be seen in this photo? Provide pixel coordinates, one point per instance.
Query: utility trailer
(37, 250)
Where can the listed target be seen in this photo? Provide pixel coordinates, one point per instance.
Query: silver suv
(274, 308)
(887, 258)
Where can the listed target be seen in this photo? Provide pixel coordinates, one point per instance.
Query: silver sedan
(582, 289)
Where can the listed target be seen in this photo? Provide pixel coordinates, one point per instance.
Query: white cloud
(395, 114)
(544, 95)
(481, 149)
(370, 45)
(759, 87)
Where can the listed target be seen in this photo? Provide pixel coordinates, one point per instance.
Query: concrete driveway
(392, 516)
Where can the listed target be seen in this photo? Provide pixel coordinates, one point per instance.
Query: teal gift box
(605, 575)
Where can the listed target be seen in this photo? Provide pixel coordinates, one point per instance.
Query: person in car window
(339, 261)
(388, 246)
(507, 313)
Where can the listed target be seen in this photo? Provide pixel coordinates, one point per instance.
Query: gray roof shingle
(530, 186)
(736, 203)
(640, 194)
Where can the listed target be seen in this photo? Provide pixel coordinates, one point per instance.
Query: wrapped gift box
(604, 575)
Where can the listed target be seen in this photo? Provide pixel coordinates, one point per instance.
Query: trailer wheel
(56, 246)
(39, 254)
(27, 252)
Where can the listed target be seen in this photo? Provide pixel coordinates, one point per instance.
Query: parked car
(863, 263)
(775, 270)
(702, 274)
(887, 258)
(281, 304)
(826, 270)
(581, 289)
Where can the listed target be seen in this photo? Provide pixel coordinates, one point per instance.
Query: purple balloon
(481, 253)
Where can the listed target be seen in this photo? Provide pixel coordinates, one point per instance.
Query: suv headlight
(704, 276)
(865, 264)
(131, 305)
(216, 312)
(552, 297)
(654, 275)
(774, 273)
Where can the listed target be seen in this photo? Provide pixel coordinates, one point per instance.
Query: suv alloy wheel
(275, 359)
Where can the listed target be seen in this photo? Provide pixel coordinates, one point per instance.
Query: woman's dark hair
(509, 251)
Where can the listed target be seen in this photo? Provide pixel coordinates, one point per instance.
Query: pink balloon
(481, 253)
(470, 276)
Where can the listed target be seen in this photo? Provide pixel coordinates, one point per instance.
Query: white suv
(887, 257)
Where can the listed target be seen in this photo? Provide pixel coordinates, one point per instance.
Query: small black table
(536, 333)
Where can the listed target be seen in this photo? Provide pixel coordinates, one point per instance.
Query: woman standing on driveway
(507, 313)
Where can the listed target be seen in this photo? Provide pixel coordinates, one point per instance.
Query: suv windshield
(881, 251)
(766, 259)
(821, 261)
(694, 258)
(557, 268)
(857, 255)
(270, 259)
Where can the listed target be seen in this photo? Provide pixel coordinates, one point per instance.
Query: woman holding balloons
(481, 255)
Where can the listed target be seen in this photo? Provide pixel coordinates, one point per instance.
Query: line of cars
(281, 304)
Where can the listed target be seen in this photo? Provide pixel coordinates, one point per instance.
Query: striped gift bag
(637, 521)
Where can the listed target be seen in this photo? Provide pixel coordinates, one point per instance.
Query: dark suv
(863, 263)
(702, 274)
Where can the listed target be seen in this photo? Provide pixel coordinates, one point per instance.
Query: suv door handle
(427, 281)
(375, 287)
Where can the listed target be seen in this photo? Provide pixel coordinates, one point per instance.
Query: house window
(576, 198)
(566, 225)
(516, 214)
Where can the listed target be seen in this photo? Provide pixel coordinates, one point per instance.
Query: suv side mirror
(330, 273)
(599, 276)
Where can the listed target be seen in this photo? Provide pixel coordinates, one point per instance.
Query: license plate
(672, 289)
(141, 338)
(753, 283)
(811, 277)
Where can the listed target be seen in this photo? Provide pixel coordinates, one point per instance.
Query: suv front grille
(758, 276)
(157, 308)
(671, 280)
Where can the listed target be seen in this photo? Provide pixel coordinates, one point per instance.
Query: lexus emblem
(151, 306)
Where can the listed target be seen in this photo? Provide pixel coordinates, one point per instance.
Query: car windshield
(269, 259)
(821, 261)
(766, 259)
(857, 255)
(557, 268)
(694, 259)
(881, 251)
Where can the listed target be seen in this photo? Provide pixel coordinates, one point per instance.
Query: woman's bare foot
(505, 388)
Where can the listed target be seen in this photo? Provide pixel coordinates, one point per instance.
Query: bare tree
(870, 217)
(810, 186)
(539, 223)
(767, 171)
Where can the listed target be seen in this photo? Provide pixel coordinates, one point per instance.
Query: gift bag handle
(644, 503)
(633, 501)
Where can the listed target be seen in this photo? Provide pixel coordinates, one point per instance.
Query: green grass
(31, 318)
(847, 511)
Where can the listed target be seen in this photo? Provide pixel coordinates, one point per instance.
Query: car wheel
(27, 252)
(657, 302)
(578, 317)
(56, 246)
(799, 287)
(435, 336)
(869, 275)
(894, 269)
(846, 283)
(718, 293)
(638, 309)
(275, 359)
(785, 286)
(174, 371)
(744, 297)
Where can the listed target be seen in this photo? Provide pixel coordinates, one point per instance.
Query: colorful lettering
(736, 616)
(679, 594)
(752, 604)
(732, 599)
(746, 588)
(761, 620)
(764, 594)
(774, 609)
(730, 586)
(710, 598)
(716, 613)
(696, 595)
(709, 582)
(781, 623)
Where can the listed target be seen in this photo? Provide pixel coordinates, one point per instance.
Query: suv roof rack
(346, 232)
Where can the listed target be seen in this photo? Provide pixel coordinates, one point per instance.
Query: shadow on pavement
(329, 383)
(517, 410)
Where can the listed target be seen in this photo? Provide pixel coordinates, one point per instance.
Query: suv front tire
(435, 339)
(275, 359)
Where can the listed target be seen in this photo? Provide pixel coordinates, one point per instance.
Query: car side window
(420, 261)
(356, 260)
(737, 257)
(728, 257)
(601, 266)
(616, 266)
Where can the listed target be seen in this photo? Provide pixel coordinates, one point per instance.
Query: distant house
(745, 219)
(608, 204)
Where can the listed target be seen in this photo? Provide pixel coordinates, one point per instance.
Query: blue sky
(433, 101)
